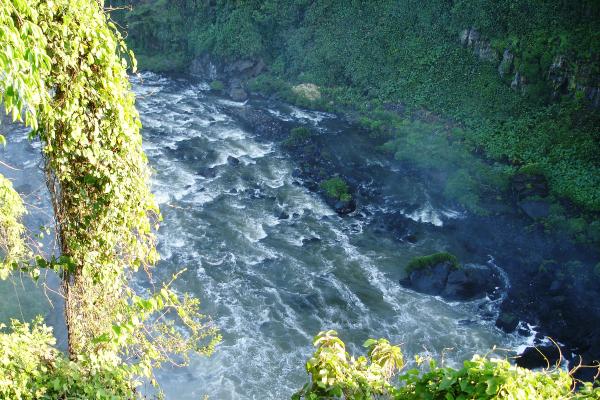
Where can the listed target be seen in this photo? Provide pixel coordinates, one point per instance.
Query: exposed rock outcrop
(233, 74)
(236, 91)
(563, 76)
(451, 282)
(506, 66)
(471, 38)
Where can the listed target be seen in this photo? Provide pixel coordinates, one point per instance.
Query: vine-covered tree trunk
(64, 69)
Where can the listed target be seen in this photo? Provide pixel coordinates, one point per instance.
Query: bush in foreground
(337, 375)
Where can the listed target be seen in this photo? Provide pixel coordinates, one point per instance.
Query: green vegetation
(298, 136)
(431, 260)
(335, 374)
(336, 188)
(31, 368)
(97, 176)
(217, 86)
(420, 63)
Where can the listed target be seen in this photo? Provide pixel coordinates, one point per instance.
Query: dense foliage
(64, 68)
(375, 56)
(32, 368)
(336, 374)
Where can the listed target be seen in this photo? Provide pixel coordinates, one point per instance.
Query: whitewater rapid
(271, 284)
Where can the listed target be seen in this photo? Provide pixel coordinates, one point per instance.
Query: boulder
(507, 321)
(430, 280)
(539, 357)
(312, 240)
(535, 209)
(204, 67)
(283, 215)
(207, 172)
(238, 66)
(209, 68)
(468, 283)
(236, 91)
(231, 160)
(345, 207)
(453, 282)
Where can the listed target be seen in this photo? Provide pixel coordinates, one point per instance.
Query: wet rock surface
(446, 280)
(546, 356)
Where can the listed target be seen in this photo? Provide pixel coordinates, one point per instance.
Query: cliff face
(543, 50)
(564, 76)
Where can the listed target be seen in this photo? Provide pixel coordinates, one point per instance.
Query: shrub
(431, 260)
(336, 375)
(336, 188)
(298, 136)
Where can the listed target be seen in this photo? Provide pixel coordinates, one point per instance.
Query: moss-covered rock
(432, 260)
(336, 188)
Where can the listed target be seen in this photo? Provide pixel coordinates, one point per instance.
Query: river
(272, 283)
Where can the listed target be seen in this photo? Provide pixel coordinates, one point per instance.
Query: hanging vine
(64, 74)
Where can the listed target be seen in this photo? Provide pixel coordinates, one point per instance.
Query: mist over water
(271, 284)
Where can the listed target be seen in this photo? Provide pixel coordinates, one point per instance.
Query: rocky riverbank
(552, 281)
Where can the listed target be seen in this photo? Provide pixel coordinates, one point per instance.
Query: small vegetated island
(507, 90)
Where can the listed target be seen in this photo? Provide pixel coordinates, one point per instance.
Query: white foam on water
(267, 296)
(429, 215)
(313, 116)
(252, 230)
(233, 103)
(280, 115)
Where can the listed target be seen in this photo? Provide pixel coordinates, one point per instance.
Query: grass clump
(431, 260)
(298, 136)
(337, 188)
(217, 86)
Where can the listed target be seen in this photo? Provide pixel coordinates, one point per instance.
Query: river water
(266, 284)
(270, 284)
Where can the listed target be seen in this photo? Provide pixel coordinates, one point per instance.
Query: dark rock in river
(284, 215)
(507, 322)
(468, 283)
(535, 209)
(345, 207)
(207, 172)
(446, 280)
(430, 280)
(231, 160)
(539, 357)
(236, 91)
(307, 241)
(259, 121)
